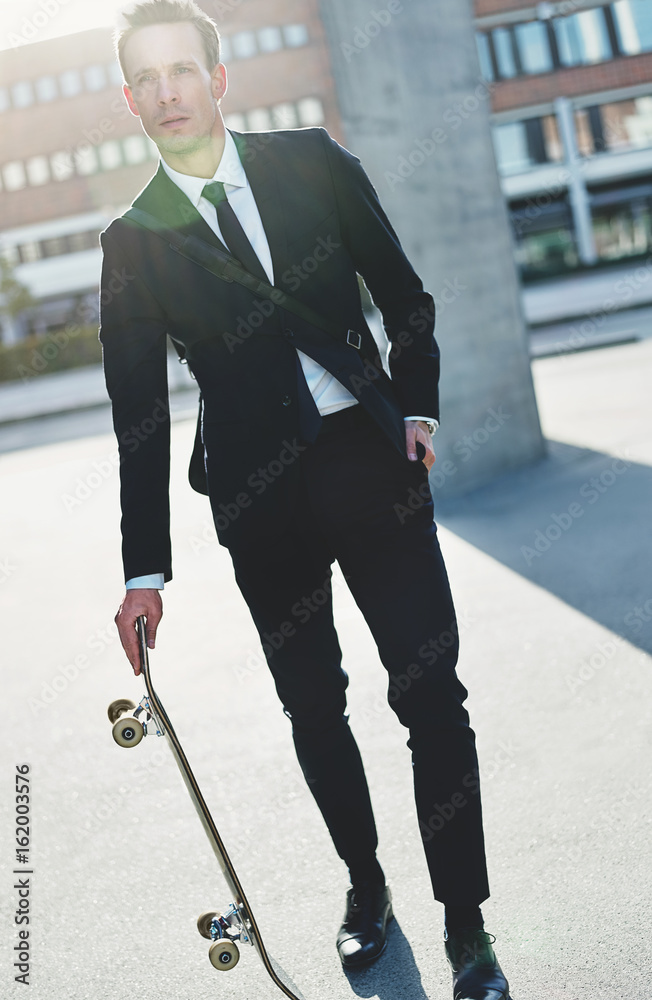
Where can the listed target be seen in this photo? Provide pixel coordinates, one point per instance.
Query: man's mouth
(174, 120)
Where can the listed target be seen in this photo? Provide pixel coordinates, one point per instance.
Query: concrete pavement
(556, 656)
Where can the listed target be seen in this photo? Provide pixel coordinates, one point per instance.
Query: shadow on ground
(579, 524)
(380, 979)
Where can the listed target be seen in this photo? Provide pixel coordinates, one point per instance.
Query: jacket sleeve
(408, 311)
(134, 348)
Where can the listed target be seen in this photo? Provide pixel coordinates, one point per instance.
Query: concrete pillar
(416, 111)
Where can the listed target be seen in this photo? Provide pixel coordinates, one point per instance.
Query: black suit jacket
(324, 225)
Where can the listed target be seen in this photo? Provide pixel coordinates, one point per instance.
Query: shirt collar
(230, 171)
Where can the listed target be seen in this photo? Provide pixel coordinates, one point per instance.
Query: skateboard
(236, 924)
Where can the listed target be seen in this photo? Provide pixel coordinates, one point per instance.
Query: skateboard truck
(224, 929)
(128, 728)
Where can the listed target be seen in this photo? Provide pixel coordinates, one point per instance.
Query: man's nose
(166, 92)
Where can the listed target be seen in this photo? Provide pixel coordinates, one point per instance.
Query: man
(310, 452)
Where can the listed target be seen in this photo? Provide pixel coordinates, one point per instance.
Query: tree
(15, 297)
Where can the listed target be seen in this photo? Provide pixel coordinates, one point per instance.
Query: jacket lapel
(163, 199)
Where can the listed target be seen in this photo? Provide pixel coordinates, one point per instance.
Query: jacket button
(286, 400)
(289, 334)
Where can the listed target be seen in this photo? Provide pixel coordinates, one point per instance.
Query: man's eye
(182, 69)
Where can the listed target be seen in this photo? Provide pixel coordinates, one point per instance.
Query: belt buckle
(354, 339)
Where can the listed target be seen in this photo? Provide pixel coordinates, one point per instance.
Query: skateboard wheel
(224, 955)
(118, 708)
(128, 732)
(204, 921)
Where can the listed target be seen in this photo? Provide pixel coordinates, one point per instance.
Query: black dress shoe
(476, 973)
(363, 934)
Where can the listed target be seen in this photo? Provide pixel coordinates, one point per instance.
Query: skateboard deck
(237, 922)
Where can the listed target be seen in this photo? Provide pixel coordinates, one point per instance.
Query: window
(46, 89)
(135, 149)
(110, 155)
(522, 145)
(243, 45)
(633, 25)
(503, 45)
(285, 116)
(618, 127)
(259, 120)
(62, 166)
(70, 83)
(54, 247)
(622, 222)
(38, 170)
(484, 55)
(95, 78)
(270, 39)
(4, 99)
(510, 143)
(627, 124)
(86, 160)
(534, 47)
(582, 38)
(295, 35)
(543, 235)
(13, 175)
(82, 241)
(114, 73)
(225, 49)
(22, 95)
(311, 111)
(29, 252)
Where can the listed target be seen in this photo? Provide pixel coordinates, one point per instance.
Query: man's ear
(219, 81)
(129, 97)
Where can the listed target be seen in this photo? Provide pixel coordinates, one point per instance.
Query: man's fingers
(416, 432)
(411, 428)
(140, 601)
(151, 626)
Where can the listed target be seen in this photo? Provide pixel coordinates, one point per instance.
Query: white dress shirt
(329, 394)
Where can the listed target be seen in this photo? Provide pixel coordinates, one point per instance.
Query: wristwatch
(432, 426)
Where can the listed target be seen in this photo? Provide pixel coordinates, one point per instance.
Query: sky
(24, 21)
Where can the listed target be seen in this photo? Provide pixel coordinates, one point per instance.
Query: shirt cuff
(155, 581)
(429, 419)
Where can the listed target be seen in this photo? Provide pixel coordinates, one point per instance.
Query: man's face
(171, 88)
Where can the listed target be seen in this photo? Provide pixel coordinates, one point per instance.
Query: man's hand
(140, 601)
(417, 431)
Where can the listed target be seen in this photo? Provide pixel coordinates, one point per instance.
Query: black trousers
(370, 509)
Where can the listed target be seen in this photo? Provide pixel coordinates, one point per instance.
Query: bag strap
(227, 268)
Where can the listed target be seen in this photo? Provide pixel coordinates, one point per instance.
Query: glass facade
(525, 144)
(634, 25)
(534, 47)
(582, 38)
(615, 128)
